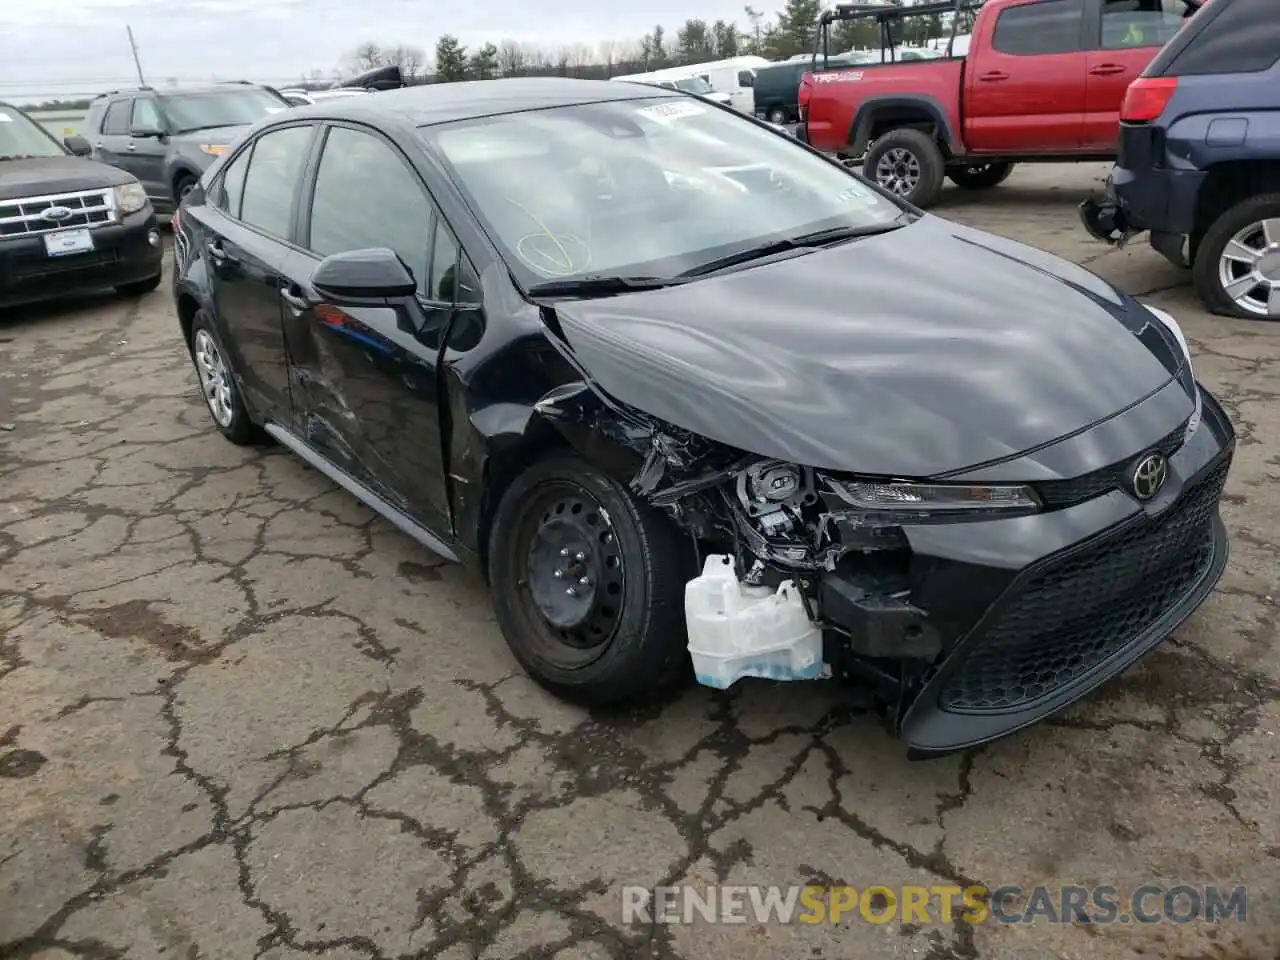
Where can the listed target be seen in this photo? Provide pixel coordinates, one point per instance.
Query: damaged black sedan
(690, 393)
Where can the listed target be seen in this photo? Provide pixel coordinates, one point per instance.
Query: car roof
(177, 90)
(433, 103)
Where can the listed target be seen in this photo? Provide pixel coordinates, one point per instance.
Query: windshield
(22, 137)
(694, 85)
(650, 187)
(226, 108)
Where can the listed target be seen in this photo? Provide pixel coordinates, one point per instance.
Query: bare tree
(512, 59)
(367, 56)
(411, 60)
(607, 56)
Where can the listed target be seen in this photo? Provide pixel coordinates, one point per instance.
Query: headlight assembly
(130, 198)
(901, 502)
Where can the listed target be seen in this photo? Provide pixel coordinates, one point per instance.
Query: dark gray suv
(167, 138)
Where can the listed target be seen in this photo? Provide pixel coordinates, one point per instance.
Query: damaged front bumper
(1106, 219)
(973, 630)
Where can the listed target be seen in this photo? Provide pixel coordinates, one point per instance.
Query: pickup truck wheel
(980, 176)
(908, 164)
(588, 585)
(1237, 264)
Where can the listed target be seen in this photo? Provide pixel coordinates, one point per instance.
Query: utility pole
(136, 62)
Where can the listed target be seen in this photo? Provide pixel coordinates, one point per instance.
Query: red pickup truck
(1042, 80)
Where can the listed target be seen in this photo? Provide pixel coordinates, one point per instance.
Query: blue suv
(1199, 158)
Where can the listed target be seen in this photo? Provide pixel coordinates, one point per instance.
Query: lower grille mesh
(1077, 613)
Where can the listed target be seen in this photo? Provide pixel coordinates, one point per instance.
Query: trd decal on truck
(838, 77)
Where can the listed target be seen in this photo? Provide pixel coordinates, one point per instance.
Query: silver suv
(168, 138)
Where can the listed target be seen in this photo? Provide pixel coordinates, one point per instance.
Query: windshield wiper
(599, 286)
(803, 241)
(211, 126)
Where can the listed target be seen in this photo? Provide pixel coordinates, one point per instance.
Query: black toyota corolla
(589, 336)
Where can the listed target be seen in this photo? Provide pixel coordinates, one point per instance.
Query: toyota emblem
(1149, 476)
(55, 214)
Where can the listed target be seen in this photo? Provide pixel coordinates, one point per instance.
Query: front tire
(907, 163)
(1237, 263)
(181, 187)
(588, 585)
(980, 177)
(218, 385)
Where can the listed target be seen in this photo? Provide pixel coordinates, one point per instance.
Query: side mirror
(78, 145)
(374, 274)
(146, 131)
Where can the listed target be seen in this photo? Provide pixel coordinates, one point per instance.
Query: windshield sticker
(856, 192)
(5, 118)
(674, 110)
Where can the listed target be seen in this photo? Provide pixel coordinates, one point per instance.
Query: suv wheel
(908, 164)
(1237, 264)
(778, 115)
(181, 187)
(588, 585)
(981, 176)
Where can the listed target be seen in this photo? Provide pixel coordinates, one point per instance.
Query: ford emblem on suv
(56, 214)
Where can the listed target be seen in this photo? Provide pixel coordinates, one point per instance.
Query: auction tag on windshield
(5, 118)
(671, 110)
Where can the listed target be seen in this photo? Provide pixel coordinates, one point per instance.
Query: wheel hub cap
(1249, 269)
(898, 171)
(575, 572)
(215, 382)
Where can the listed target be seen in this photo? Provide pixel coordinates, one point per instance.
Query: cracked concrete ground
(241, 717)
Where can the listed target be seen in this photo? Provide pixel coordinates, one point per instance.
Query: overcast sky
(67, 47)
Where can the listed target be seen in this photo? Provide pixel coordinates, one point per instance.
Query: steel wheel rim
(1249, 268)
(214, 380)
(569, 574)
(185, 189)
(898, 171)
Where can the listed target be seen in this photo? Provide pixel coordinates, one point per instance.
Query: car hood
(44, 175)
(914, 353)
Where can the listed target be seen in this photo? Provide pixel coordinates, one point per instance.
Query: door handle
(98, 146)
(993, 76)
(296, 303)
(1107, 70)
(132, 146)
(219, 255)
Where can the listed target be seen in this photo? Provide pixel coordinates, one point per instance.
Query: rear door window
(272, 179)
(1049, 26)
(1227, 36)
(116, 121)
(231, 187)
(1140, 23)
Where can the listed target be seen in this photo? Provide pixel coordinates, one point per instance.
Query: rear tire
(909, 164)
(620, 636)
(980, 176)
(1240, 226)
(141, 288)
(218, 385)
(778, 115)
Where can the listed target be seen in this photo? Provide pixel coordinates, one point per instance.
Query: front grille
(26, 216)
(1056, 494)
(1079, 612)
